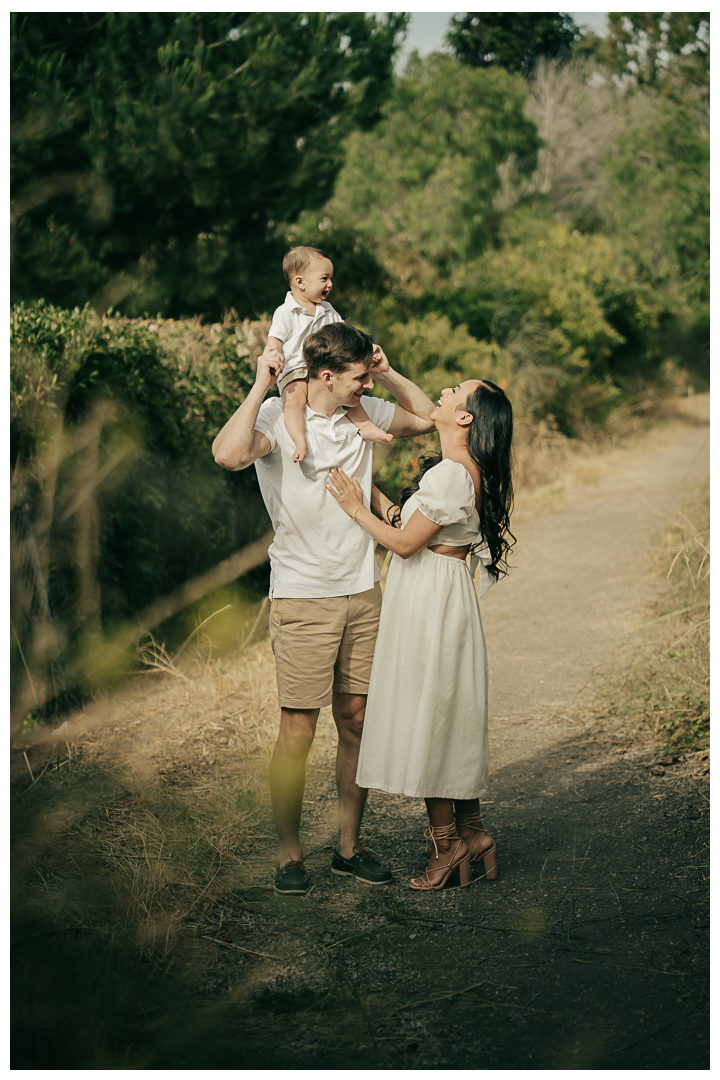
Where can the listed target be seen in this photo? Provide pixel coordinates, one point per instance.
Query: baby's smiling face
(316, 280)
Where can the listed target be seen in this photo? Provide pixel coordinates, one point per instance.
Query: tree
(514, 40)
(658, 198)
(580, 114)
(420, 187)
(656, 48)
(153, 152)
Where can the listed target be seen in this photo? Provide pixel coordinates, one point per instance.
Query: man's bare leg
(287, 777)
(349, 714)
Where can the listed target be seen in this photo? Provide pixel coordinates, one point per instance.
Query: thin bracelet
(355, 512)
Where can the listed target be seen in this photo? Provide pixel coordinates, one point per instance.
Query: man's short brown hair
(298, 258)
(335, 348)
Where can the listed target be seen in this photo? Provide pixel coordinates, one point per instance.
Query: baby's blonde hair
(298, 258)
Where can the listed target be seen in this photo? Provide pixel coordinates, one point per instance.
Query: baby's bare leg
(294, 399)
(369, 431)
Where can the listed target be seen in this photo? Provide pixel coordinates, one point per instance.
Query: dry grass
(158, 793)
(134, 822)
(665, 688)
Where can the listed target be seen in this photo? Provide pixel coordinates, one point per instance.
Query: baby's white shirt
(291, 323)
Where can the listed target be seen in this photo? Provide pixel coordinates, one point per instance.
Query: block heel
(487, 857)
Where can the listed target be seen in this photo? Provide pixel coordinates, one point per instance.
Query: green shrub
(570, 311)
(116, 495)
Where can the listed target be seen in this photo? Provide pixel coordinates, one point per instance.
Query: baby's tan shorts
(300, 372)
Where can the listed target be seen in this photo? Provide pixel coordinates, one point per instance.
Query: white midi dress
(425, 731)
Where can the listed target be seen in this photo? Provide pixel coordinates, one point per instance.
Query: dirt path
(591, 949)
(561, 616)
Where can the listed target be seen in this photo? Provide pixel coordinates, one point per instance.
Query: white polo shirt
(291, 323)
(318, 550)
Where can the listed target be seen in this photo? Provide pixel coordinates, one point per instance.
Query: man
(323, 575)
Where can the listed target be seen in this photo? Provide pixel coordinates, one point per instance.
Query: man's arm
(238, 445)
(413, 407)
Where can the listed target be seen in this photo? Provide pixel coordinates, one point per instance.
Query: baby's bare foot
(372, 433)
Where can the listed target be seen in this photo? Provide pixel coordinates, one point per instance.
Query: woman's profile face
(452, 400)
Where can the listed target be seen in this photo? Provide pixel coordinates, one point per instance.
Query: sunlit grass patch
(148, 802)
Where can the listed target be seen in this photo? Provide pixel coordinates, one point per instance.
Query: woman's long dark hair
(489, 445)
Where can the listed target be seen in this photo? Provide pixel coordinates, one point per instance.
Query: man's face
(350, 385)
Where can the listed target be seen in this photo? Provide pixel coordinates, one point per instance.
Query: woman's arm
(417, 534)
(409, 397)
(381, 504)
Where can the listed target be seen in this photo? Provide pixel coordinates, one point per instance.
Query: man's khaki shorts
(323, 646)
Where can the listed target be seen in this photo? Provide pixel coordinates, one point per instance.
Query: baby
(309, 274)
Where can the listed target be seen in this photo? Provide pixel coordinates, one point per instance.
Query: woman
(425, 731)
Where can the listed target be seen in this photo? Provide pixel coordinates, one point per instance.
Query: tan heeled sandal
(489, 856)
(458, 862)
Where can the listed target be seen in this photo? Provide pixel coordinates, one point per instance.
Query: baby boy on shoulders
(309, 274)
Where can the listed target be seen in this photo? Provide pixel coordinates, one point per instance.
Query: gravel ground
(590, 951)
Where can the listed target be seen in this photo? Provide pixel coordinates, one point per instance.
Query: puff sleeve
(446, 494)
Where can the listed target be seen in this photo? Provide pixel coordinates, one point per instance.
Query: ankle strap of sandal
(473, 820)
(440, 832)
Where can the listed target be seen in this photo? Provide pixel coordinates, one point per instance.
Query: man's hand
(413, 409)
(380, 362)
(269, 369)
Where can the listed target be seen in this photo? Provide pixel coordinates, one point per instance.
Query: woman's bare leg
(440, 812)
(477, 839)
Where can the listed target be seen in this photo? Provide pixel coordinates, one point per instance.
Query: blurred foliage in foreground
(115, 496)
